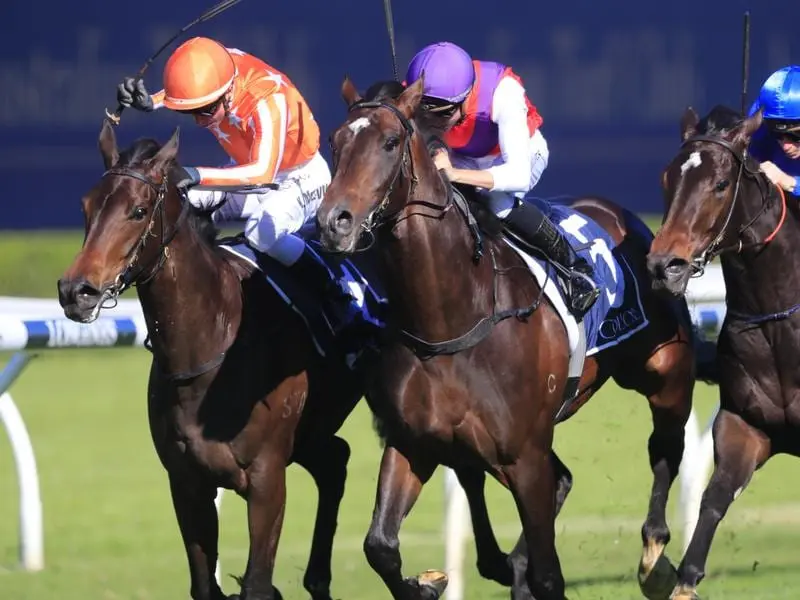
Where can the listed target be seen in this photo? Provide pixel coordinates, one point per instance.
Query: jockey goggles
(785, 129)
(439, 107)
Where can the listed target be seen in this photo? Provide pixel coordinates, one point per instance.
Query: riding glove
(187, 177)
(132, 93)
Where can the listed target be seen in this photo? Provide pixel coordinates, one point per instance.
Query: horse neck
(191, 305)
(762, 280)
(431, 278)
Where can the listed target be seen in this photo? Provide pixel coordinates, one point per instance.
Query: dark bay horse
(719, 204)
(456, 386)
(237, 391)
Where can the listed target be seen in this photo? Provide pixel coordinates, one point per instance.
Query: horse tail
(705, 351)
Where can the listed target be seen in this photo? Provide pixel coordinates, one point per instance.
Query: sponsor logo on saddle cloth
(618, 312)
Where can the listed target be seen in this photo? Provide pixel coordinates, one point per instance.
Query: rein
(378, 217)
(715, 249)
(130, 275)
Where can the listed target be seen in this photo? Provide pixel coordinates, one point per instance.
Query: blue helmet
(779, 97)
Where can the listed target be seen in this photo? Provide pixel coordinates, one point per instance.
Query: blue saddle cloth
(368, 302)
(618, 312)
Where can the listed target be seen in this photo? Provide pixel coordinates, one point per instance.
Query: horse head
(131, 216)
(378, 160)
(709, 187)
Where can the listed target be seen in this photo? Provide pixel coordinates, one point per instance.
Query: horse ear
(349, 92)
(689, 122)
(168, 152)
(408, 102)
(107, 142)
(748, 127)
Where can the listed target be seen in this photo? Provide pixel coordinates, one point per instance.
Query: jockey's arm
(268, 123)
(510, 112)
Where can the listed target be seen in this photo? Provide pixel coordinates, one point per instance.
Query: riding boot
(531, 224)
(336, 303)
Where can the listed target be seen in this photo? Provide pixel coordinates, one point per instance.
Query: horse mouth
(80, 300)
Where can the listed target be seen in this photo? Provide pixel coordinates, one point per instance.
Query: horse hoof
(433, 581)
(684, 592)
(500, 572)
(657, 581)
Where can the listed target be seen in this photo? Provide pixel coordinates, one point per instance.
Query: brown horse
(719, 204)
(237, 390)
(477, 370)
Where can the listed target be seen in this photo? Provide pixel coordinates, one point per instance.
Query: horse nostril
(675, 266)
(75, 291)
(343, 222)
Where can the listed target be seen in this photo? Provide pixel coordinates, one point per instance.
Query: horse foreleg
(670, 405)
(519, 555)
(327, 464)
(199, 527)
(532, 483)
(399, 485)
(492, 562)
(739, 450)
(266, 504)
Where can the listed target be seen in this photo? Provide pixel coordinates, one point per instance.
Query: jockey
(265, 126)
(496, 144)
(777, 142)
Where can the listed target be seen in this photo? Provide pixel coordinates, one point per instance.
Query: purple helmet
(449, 73)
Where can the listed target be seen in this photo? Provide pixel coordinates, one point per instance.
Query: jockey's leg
(273, 228)
(527, 221)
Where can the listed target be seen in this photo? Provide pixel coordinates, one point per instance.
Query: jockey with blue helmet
(495, 144)
(777, 142)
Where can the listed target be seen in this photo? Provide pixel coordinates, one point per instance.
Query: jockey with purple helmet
(777, 142)
(493, 133)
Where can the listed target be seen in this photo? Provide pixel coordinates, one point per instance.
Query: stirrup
(582, 300)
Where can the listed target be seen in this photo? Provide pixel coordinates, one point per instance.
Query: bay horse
(458, 383)
(236, 391)
(718, 204)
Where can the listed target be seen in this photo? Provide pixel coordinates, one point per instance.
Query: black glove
(186, 177)
(132, 93)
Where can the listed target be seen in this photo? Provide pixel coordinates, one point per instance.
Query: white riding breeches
(272, 216)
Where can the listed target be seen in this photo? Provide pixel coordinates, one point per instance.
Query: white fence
(30, 324)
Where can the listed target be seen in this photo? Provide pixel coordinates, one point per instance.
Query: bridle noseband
(746, 167)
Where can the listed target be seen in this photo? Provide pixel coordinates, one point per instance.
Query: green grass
(110, 532)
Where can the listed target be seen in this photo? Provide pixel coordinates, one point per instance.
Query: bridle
(378, 217)
(133, 270)
(747, 167)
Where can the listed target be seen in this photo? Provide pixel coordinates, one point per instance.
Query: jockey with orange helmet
(494, 135)
(266, 127)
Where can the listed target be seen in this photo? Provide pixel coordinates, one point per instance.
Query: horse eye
(138, 213)
(391, 143)
(722, 185)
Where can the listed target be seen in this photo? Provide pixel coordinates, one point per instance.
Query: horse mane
(719, 121)
(198, 220)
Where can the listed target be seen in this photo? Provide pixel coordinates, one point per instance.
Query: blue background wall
(610, 77)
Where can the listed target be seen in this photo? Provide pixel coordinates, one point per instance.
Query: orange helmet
(199, 72)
